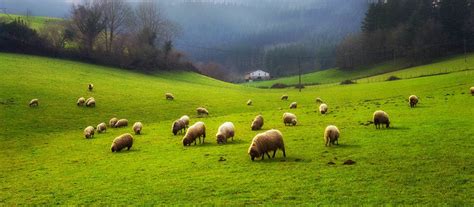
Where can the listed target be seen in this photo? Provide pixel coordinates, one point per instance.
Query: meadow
(425, 158)
(35, 22)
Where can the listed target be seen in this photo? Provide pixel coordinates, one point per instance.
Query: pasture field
(36, 22)
(425, 158)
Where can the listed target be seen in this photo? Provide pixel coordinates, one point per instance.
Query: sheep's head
(220, 138)
(113, 148)
(253, 152)
(186, 142)
(388, 124)
(294, 121)
(176, 128)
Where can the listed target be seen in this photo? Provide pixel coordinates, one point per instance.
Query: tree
(88, 18)
(116, 15)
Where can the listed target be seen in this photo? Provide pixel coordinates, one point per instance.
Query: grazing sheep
(262, 143)
(185, 119)
(413, 100)
(122, 141)
(472, 90)
(121, 123)
(319, 100)
(225, 131)
(195, 131)
(91, 86)
(323, 108)
(180, 124)
(101, 127)
(380, 118)
(34, 102)
(257, 123)
(112, 122)
(89, 132)
(289, 118)
(137, 127)
(81, 101)
(249, 102)
(293, 105)
(201, 111)
(284, 97)
(331, 135)
(90, 102)
(169, 96)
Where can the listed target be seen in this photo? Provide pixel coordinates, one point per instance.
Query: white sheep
(225, 131)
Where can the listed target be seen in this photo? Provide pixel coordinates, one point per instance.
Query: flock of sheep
(262, 143)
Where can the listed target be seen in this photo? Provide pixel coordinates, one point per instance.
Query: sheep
(331, 135)
(293, 105)
(122, 141)
(284, 97)
(112, 122)
(412, 100)
(90, 102)
(319, 100)
(323, 108)
(91, 86)
(195, 131)
(225, 131)
(101, 127)
(121, 123)
(137, 127)
(472, 90)
(34, 102)
(89, 132)
(257, 123)
(380, 117)
(249, 102)
(180, 124)
(169, 96)
(201, 111)
(262, 143)
(81, 101)
(289, 118)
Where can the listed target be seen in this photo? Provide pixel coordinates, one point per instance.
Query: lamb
(323, 108)
(34, 102)
(89, 132)
(122, 141)
(201, 111)
(257, 123)
(90, 102)
(249, 102)
(112, 122)
(121, 123)
(262, 143)
(380, 117)
(331, 135)
(225, 131)
(284, 97)
(81, 101)
(91, 86)
(472, 90)
(293, 105)
(137, 127)
(101, 127)
(195, 131)
(413, 100)
(319, 100)
(169, 96)
(180, 124)
(289, 118)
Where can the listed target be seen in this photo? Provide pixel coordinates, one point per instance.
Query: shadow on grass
(344, 146)
(396, 128)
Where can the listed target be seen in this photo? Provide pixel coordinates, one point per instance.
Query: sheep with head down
(91, 86)
(413, 100)
(262, 143)
(169, 96)
(472, 90)
(289, 119)
(257, 123)
(196, 131)
(319, 100)
(180, 125)
(112, 122)
(284, 97)
(90, 102)
(249, 102)
(323, 108)
(225, 131)
(202, 111)
(121, 123)
(331, 135)
(89, 132)
(34, 102)
(293, 105)
(101, 127)
(381, 118)
(121, 142)
(137, 127)
(81, 101)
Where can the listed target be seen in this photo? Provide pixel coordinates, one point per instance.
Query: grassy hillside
(425, 158)
(36, 22)
(371, 74)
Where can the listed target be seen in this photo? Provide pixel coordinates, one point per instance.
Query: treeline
(416, 30)
(109, 32)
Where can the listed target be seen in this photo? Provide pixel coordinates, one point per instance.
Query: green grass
(426, 158)
(36, 22)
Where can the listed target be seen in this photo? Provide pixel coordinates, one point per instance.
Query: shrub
(347, 82)
(393, 78)
(279, 85)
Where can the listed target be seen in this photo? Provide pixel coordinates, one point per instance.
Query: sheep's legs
(268, 155)
(274, 152)
(284, 154)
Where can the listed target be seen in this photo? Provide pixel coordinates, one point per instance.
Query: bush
(279, 85)
(347, 82)
(393, 78)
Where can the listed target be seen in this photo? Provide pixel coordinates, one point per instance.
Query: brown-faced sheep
(262, 143)
(91, 86)
(249, 102)
(284, 97)
(121, 123)
(257, 123)
(331, 135)
(101, 127)
(137, 127)
(34, 102)
(169, 96)
(289, 119)
(81, 101)
(201, 111)
(180, 125)
(89, 132)
(112, 122)
(323, 108)
(380, 118)
(225, 131)
(472, 90)
(319, 100)
(293, 105)
(90, 102)
(412, 100)
(194, 132)
(122, 141)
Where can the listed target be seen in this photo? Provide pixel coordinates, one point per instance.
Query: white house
(257, 75)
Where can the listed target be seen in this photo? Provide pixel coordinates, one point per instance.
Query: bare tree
(116, 14)
(55, 33)
(88, 18)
